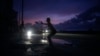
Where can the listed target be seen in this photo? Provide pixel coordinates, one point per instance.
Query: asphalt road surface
(64, 45)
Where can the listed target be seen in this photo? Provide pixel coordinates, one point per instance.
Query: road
(65, 44)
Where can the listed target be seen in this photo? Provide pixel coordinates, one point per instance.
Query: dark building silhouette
(8, 18)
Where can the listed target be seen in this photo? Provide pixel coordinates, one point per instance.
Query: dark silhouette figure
(52, 31)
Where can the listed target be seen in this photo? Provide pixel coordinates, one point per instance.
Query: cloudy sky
(58, 10)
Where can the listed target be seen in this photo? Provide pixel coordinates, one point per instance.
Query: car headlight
(46, 31)
(29, 34)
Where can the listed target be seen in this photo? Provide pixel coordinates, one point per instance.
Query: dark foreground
(69, 45)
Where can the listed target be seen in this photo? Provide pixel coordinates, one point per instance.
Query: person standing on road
(52, 31)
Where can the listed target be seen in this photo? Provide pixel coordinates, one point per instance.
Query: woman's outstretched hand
(43, 23)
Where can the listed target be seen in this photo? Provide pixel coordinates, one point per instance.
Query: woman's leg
(50, 40)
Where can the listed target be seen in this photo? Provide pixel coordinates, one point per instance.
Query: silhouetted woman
(52, 31)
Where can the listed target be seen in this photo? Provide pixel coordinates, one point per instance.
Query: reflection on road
(27, 42)
(68, 44)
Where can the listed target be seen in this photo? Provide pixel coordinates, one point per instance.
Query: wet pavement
(63, 46)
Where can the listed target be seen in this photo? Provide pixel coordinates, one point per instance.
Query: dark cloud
(56, 5)
(34, 9)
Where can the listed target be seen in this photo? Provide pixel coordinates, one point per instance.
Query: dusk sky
(58, 10)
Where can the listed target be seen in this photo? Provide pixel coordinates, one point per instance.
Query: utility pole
(22, 21)
(22, 13)
(22, 18)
